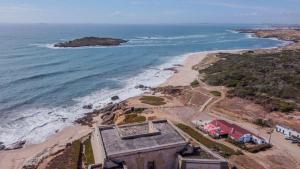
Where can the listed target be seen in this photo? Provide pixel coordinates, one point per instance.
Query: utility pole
(272, 130)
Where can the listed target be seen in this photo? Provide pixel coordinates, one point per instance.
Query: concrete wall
(185, 163)
(287, 131)
(258, 140)
(163, 159)
(282, 130)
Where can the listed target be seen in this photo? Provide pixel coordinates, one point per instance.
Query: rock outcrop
(91, 41)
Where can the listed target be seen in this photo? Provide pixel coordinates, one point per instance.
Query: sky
(150, 11)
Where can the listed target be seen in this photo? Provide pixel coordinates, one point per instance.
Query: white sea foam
(172, 37)
(35, 125)
(232, 31)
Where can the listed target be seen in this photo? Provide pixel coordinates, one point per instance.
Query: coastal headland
(189, 95)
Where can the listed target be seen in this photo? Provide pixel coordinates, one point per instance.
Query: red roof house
(219, 128)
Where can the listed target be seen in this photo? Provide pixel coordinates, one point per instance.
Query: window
(151, 165)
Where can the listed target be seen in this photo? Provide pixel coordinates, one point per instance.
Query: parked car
(288, 137)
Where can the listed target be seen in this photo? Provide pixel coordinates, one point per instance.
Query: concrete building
(288, 131)
(150, 145)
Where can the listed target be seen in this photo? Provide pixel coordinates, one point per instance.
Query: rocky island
(91, 41)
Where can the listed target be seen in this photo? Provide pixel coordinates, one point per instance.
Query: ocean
(43, 88)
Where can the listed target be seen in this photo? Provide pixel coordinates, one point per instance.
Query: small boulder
(115, 98)
(142, 87)
(2, 147)
(89, 106)
(16, 145)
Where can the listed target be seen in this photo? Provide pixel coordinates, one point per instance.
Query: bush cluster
(270, 79)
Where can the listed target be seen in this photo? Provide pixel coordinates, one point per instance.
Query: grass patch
(70, 158)
(223, 150)
(262, 122)
(89, 155)
(216, 93)
(133, 118)
(195, 83)
(153, 100)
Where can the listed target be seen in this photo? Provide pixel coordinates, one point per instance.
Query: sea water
(43, 88)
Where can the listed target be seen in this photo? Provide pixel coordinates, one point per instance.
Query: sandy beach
(186, 74)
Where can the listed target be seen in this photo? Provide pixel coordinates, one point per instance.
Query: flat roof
(114, 141)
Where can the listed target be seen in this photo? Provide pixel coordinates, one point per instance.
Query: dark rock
(108, 119)
(173, 69)
(29, 167)
(89, 106)
(115, 98)
(107, 112)
(16, 145)
(91, 41)
(142, 87)
(178, 65)
(2, 147)
(68, 144)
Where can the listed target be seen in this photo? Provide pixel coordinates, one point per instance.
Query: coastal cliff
(91, 41)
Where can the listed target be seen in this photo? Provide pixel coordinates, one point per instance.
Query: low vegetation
(133, 118)
(223, 150)
(70, 157)
(153, 100)
(216, 93)
(88, 152)
(270, 79)
(263, 123)
(195, 83)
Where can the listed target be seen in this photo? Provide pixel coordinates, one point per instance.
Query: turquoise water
(43, 88)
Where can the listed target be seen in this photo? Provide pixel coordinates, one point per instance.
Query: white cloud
(232, 5)
(115, 13)
(18, 9)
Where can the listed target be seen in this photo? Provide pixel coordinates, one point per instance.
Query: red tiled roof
(233, 130)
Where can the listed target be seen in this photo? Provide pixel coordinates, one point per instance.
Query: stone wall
(163, 159)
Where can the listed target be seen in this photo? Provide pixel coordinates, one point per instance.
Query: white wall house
(258, 140)
(288, 131)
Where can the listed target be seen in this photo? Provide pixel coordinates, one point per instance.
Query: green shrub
(133, 118)
(153, 100)
(89, 155)
(262, 123)
(195, 83)
(216, 93)
(263, 78)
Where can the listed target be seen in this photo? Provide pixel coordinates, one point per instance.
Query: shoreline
(185, 75)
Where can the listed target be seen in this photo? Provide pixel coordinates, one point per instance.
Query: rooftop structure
(149, 145)
(138, 137)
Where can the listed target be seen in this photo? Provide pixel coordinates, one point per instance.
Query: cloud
(232, 5)
(18, 9)
(115, 13)
(248, 14)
